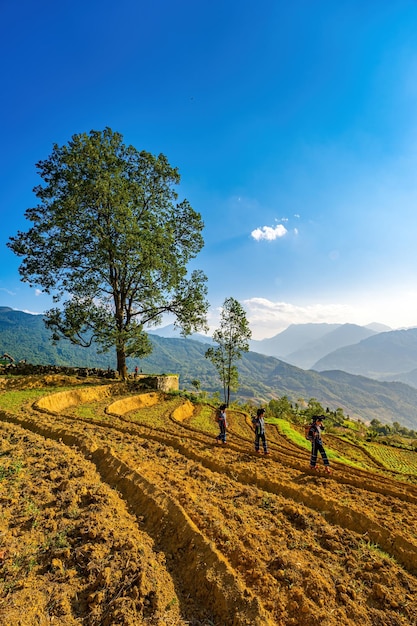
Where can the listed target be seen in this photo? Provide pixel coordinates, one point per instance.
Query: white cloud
(268, 318)
(9, 293)
(269, 233)
(38, 292)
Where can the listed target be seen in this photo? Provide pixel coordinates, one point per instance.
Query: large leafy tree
(232, 338)
(111, 242)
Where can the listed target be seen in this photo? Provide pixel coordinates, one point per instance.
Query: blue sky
(293, 125)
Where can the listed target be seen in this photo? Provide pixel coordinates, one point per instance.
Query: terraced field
(121, 509)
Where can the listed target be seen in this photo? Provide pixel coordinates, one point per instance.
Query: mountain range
(374, 351)
(307, 356)
(304, 344)
(389, 355)
(261, 376)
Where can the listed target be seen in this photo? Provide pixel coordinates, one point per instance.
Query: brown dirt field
(136, 516)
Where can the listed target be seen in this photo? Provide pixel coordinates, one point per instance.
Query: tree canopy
(110, 239)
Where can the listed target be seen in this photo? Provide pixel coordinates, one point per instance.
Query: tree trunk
(121, 363)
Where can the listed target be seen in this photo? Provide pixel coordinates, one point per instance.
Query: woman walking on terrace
(314, 435)
(222, 421)
(259, 429)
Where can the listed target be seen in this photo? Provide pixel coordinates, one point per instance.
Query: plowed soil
(129, 513)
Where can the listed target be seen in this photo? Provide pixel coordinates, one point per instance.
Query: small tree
(232, 338)
(109, 235)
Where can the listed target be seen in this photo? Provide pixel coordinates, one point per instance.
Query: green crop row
(395, 459)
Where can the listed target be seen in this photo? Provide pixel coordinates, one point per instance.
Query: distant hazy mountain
(384, 355)
(378, 328)
(409, 378)
(293, 338)
(344, 335)
(304, 344)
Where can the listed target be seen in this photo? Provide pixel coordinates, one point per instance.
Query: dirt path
(230, 538)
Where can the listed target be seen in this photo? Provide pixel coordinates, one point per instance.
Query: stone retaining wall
(159, 382)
